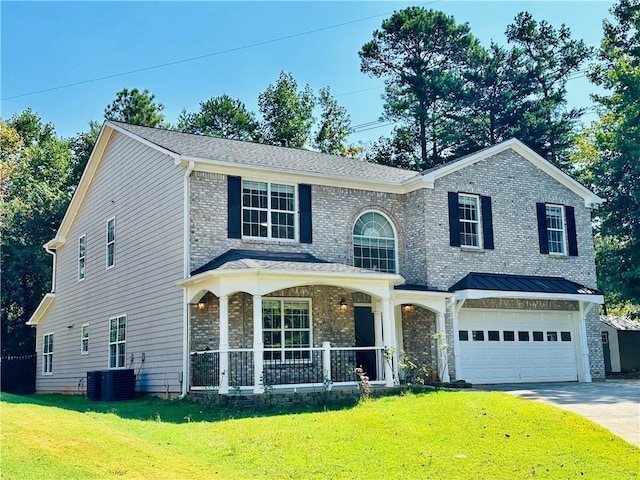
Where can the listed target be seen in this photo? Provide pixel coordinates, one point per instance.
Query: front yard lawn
(449, 435)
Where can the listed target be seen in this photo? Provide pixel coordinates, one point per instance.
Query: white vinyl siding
(148, 207)
(111, 243)
(82, 252)
(268, 210)
(47, 354)
(556, 229)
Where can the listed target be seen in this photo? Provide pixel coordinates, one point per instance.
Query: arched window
(374, 243)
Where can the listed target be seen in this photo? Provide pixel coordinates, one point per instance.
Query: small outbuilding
(620, 344)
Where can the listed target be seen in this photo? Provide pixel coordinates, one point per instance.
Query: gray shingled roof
(268, 156)
(620, 323)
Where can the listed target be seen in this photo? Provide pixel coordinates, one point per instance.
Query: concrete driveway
(614, 404)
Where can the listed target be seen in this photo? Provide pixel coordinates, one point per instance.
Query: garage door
(501, 346)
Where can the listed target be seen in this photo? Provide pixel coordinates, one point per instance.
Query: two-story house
(205, 263)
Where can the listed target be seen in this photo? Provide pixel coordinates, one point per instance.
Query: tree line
(447, 96)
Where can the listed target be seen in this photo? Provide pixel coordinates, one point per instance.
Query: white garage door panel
(517, 361)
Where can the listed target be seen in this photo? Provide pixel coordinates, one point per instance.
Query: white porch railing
(316, 366)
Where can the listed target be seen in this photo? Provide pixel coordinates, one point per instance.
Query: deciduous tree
(287, 113)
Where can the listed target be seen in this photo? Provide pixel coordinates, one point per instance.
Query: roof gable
(590, 198)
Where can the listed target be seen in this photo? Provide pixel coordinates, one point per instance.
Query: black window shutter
(572, 238)
(234, 207)
(454, 225)
(543, 237)
(306, 226)
(487, 223)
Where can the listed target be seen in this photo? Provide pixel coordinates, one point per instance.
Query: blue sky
(45, 45)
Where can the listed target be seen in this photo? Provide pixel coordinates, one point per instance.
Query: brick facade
(420, 219)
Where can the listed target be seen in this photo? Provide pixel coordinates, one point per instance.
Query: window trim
(395, 239)
(84, 338)
(124, 342)
(283, 349)
(478, 222)
(82, 257)
(295, 211)
(47, 354)
(110, 243)
(563, 216)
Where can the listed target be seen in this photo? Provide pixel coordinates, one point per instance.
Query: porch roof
(486, 285)
(261, 272)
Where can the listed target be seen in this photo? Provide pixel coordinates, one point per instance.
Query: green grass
(452, 435)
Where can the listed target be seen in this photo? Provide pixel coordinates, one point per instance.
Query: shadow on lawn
(151, 408)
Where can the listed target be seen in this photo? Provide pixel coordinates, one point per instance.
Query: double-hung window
(268, 210)
(469, 218)
(557, 232)
(47, 354)
(82, 251)
(111, 242)
(556, 229)
(117, 341)
(286, 330)
(470, 221)
(84, 341)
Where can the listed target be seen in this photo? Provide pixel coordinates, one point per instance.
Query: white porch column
(389, 331)
(377, 326)
(584, 309)
(326, 361)
(258, 346)
(223, 303)
(442, 349)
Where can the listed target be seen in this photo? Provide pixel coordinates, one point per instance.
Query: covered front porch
(286, 322)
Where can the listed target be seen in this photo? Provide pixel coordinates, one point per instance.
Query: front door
(606, 352)
(365, 337)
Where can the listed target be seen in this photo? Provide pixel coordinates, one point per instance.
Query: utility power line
(207, 55)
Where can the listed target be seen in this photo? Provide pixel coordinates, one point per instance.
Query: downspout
(53, 270)
(186, 271)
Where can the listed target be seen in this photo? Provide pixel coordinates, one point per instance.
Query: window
(117, 341)
(605, 337)
(493, 335)
(469, 219)
(556, 229)
(47, 354)
(508, 336)
(268, 210)
(523, 336)
(538, 337)
(552, 336)
(463, 335)
(477, 335)
(82, 250)
(84, 342)
(111, 243)
(286, 330)
(374, 243)
(565, 336)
